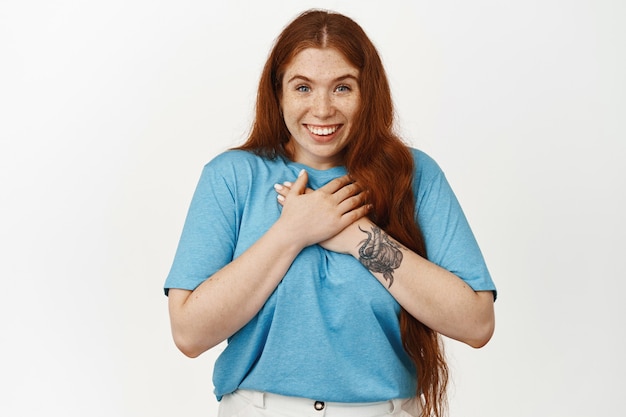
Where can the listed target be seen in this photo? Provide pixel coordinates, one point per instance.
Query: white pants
(244, 403)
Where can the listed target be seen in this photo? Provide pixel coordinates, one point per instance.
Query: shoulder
(241, 171)
(232, 158)
(234, 163)
(225, 170)
(426, 168)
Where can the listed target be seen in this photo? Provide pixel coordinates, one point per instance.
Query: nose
(322, 105)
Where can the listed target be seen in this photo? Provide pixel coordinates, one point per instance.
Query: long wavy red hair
(375, 157)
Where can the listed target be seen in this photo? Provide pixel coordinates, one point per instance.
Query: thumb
(300, 185)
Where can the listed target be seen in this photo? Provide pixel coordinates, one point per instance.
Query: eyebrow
(338, 79)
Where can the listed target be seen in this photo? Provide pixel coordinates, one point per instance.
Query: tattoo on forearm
(379, 254)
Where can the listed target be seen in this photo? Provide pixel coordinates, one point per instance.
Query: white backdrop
(108, 110)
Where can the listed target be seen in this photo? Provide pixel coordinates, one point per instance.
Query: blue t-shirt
(330, 330)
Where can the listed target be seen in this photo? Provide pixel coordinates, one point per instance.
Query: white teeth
(322, 131)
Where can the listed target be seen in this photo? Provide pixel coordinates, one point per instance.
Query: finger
(349, 190)
(299, 186)
(354, 215)
(282, 193)
(281, 189)
(284, 188)
(353, 202)
(336, 184)
(287, 186)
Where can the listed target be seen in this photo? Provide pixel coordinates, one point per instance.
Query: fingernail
(287, 184)
(301, 173)
(280, 198)
(278, 187)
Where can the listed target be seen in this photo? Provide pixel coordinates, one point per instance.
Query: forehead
(319, 64)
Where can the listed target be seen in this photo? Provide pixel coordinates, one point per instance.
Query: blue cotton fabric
(330, 330)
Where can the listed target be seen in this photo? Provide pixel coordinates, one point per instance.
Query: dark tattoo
(379, 254)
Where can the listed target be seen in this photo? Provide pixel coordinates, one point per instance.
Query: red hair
(374, 156)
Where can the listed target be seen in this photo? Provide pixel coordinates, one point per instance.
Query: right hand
(313, 216)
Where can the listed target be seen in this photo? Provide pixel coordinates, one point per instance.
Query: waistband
(306, 407)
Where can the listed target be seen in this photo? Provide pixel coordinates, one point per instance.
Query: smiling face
(320, 100)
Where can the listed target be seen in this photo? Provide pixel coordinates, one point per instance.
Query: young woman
(329, 253)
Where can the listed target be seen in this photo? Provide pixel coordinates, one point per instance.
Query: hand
(316, 216)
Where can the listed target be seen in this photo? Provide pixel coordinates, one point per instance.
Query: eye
(343, 88)
(303, 88)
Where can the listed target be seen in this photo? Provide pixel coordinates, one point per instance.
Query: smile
(322, 130)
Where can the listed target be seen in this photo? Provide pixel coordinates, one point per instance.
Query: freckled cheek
(298, 115)
(351, 107)
(292, 112)
(352, 113)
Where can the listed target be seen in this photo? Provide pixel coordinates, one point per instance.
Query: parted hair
(374, 156)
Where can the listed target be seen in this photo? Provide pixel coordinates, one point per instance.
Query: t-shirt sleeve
(209, 234)
(450, 242)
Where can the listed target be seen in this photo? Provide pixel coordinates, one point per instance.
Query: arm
(221, 305)
(217, 308)
(433, 295)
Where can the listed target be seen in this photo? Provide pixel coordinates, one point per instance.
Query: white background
(108, 110)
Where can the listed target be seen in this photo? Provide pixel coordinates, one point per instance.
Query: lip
(323, 138)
